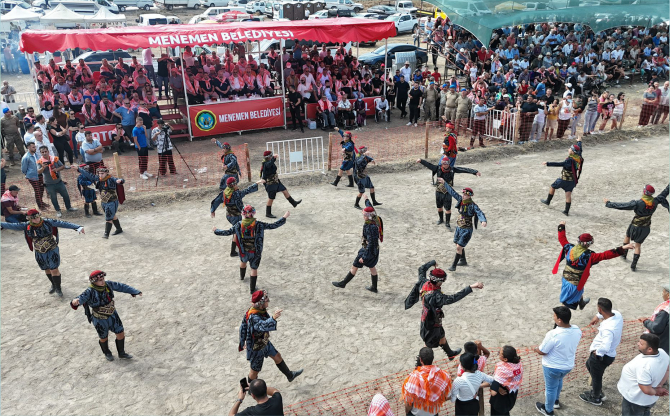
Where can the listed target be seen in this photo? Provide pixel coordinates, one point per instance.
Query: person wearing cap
(9, 129)
(255, 337)
(348, 155)
(463, 110)
(112, 194)
(448, 111)
(368, 254)
(468, 214)
(250, 236)
(362, 178)
(572, 170)
(99, 297)
(406, 71)
(273, 184)
(658, 323)
(229, 160)
(644, 208)
(578, 262)
(445, 174)
(9, 204)
(428, 290)
(231, 197)
(42, 238)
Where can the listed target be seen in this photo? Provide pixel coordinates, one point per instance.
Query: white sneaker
(143, 176)
(409, 124)
(148, 174)
(415, 124)
(59, 214)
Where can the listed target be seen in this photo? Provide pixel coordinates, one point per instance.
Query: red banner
(230, 116)
(135, 37)
(310, 113)
(102, 133)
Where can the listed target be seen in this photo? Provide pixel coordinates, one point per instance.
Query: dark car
(376, 58)
(383, 9)
(94, 59)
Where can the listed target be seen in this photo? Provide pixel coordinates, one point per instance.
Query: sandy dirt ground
(184, 330)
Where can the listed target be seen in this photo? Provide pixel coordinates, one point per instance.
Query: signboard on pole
(231, 116)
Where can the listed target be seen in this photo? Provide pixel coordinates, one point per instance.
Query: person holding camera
(268, 399)
(161, 135)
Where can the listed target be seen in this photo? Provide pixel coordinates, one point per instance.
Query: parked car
(404, 22)
(151, 20)
(371, 16)
(331, 13)
(214, 3)
(170, 4)
(344, 4)
(215, 11)
(94, 59)
(257, 6)
(376, 57)
(173, 20)
(383, 9)
(7, 5)
(86, 7)
(405, 6)
(140, 4)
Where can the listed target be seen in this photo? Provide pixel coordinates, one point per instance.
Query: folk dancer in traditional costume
(449, 147)
(255, 337)
(348, 155)
(99, 297)
(42, 237)
(250, 235)
(468, 214)
(572, 171)
(362, 178)
(86, 188)
(231, 197)
(578, 261)
(229, 160)
(445, 172)
(111, 194)
(273, 184)
(429, 291)
(368, 255)
(644, 208)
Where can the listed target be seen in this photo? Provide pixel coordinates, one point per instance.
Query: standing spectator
(406, 72)
(507, 379)
(161, 134)
(430, 96)
(426, 389)
(642, 378)
(558, 358)
(142, 147)
(479, 124)
(538, 123)
(3, 175)
(591, 114)
(463, 109)
(401, 93)
(163, 75)
(73, 124)
(10, 63)
(148, 62)
(528, 111)
(127, 115)
(658, 323)
(268, 399)
(9, 128)
(49, 167)
(648, 106)
(379, 406)
(295, 104)
(7, 92)
(552, 120)
(92, 150)
(602, 349)
(464, 392)
(415, 101)
(29, 136)
(9, 204)
(40, 141)
(663, 106)
(59, 137)
(29, 169)
(564, 116)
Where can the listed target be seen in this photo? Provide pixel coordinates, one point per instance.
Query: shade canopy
(326, 30)
(103, 15)
(482, 17)
(61, 14)
(19, 13)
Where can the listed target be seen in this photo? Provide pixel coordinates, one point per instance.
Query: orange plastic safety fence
(355, 400)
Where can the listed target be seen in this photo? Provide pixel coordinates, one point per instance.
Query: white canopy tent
(20, 14)
(61, 14)
(103, 15)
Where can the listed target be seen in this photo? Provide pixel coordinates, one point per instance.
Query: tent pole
(188, 115)
(31, 68)
(283, 88)
(386, 52)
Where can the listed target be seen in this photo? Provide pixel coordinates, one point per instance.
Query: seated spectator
(326, 111)
(11, 209)
(345, 111)
(90, 113)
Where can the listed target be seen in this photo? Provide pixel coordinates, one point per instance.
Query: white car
(151, 20)
(344, 4)
(7, 5)
(214, 3)
(404, 22)
(321, 14)
(255, 7)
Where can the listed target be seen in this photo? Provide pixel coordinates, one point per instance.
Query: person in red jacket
(578, 261)
(450, 144)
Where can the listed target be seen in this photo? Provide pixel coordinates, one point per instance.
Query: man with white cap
(406, 71)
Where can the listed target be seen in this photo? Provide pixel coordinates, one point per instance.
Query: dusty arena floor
(184, 331)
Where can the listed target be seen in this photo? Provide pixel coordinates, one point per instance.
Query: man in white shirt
(602, 349)
(29, 136)
(382, 107)
(558, 358)
(406, 71)
(642, 378)
(40, 140)
(148, 62)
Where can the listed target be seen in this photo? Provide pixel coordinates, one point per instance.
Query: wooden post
(426, 144)
(246, 154)
(623, 115)
(330, 150)
(117, 165)
(517, 124)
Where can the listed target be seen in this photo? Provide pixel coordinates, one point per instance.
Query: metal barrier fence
(355, 400)
(25, 99)
(299, 155)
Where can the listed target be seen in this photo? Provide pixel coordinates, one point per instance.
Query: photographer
(268, 399)
(161, 134)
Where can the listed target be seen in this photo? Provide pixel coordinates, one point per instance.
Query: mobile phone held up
(244, 384)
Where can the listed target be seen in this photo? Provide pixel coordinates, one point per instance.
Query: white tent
(19, 13)
(103, 15)
(61, 14)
